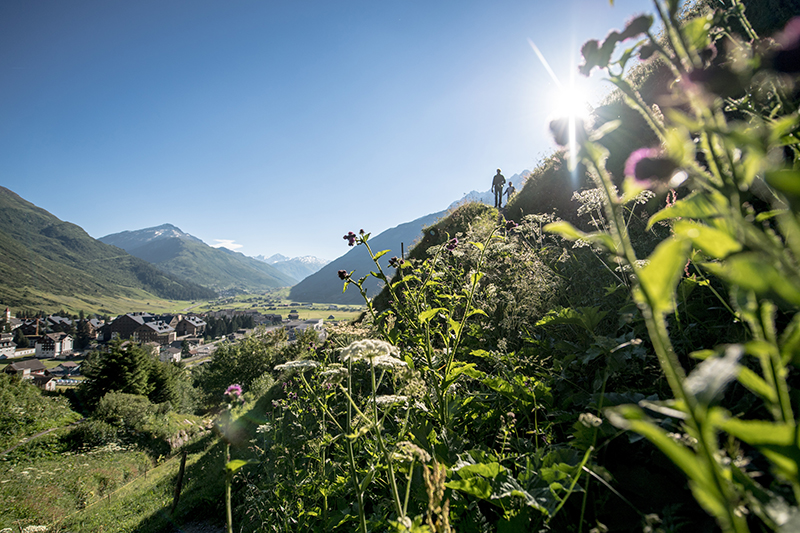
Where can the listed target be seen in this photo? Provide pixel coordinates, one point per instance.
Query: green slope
(42, 254)
(211, 267)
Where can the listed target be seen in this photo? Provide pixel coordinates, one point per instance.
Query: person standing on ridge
(497, 186)
(511, 190)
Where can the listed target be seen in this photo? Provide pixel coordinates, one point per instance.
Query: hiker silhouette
(497, 187)
(511, 190)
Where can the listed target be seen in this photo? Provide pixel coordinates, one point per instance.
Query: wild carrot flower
(298, 366)
(368, 349)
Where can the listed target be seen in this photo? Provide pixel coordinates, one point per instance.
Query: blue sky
(279, 125)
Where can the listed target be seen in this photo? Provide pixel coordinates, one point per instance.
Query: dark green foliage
(242, 362)
(128, 368)
(20, 340)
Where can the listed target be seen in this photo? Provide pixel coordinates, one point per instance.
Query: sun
(570, 101)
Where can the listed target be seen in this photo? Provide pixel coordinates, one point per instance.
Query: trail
(26, 440)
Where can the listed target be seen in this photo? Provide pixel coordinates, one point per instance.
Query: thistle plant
(728, 133)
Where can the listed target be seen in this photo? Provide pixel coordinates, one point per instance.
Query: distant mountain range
(45, 261)
(325, 285)
(176, 252)
(298, 268)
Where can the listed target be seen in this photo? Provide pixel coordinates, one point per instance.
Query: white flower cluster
(298, 366)
(35, 529)
(369, 349)
(388, 400)
(334, 375)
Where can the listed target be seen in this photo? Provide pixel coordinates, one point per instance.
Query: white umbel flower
(368, 349)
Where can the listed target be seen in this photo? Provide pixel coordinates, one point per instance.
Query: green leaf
(658, 280)
(476, 486)
(478, 245)
(751, 271)
(756, 384)
(455, 326)
(367, 480)
(710, 241)
(236, 464)
(428, 314)
(696, 205)
(477, 312)
(777, 441)
(786, 181)
(565, 229)
(696, 31)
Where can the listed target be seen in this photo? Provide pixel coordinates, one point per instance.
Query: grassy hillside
(45, 259)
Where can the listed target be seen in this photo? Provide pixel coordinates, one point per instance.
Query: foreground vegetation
(626, 364)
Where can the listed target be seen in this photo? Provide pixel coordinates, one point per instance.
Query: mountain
(45, 261)
(171, 250)
(298, 268)
(325, 285)
(275, 258)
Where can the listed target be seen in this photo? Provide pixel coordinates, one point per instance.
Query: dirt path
(26, 440)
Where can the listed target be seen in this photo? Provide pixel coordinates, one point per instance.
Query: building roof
(30, 364)
(159, 327)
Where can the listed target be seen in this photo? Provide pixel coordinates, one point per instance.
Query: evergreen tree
(20, 340)
(125, 369)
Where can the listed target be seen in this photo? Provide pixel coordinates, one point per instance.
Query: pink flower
(234, 391)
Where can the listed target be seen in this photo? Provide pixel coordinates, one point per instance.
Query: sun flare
(570, 101)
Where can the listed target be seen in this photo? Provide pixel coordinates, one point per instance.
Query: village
(52, 358)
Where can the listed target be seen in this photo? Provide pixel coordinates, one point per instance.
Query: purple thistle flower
(650, 167)
(451, 245)
(510, 224)
(350, 238)
(343, 275)
(233, 393)
(787, 58)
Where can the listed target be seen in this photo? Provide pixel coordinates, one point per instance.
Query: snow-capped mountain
(296, 267)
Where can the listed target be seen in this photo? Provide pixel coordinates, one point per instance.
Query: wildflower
(368, 349)
(709, 379)
(361, 232)
(333, 375)
(387, 400)
(350, 238)
(787, 58)
(451, 244)
(510, 224)
(298, 365)
(396, 262)
(233, 393)
(408, 451)
(343, 275)
(387, 362)
(650, 168)
(264, 428)
(636, 26)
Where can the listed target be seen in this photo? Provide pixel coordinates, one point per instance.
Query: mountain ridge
(172, 250)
